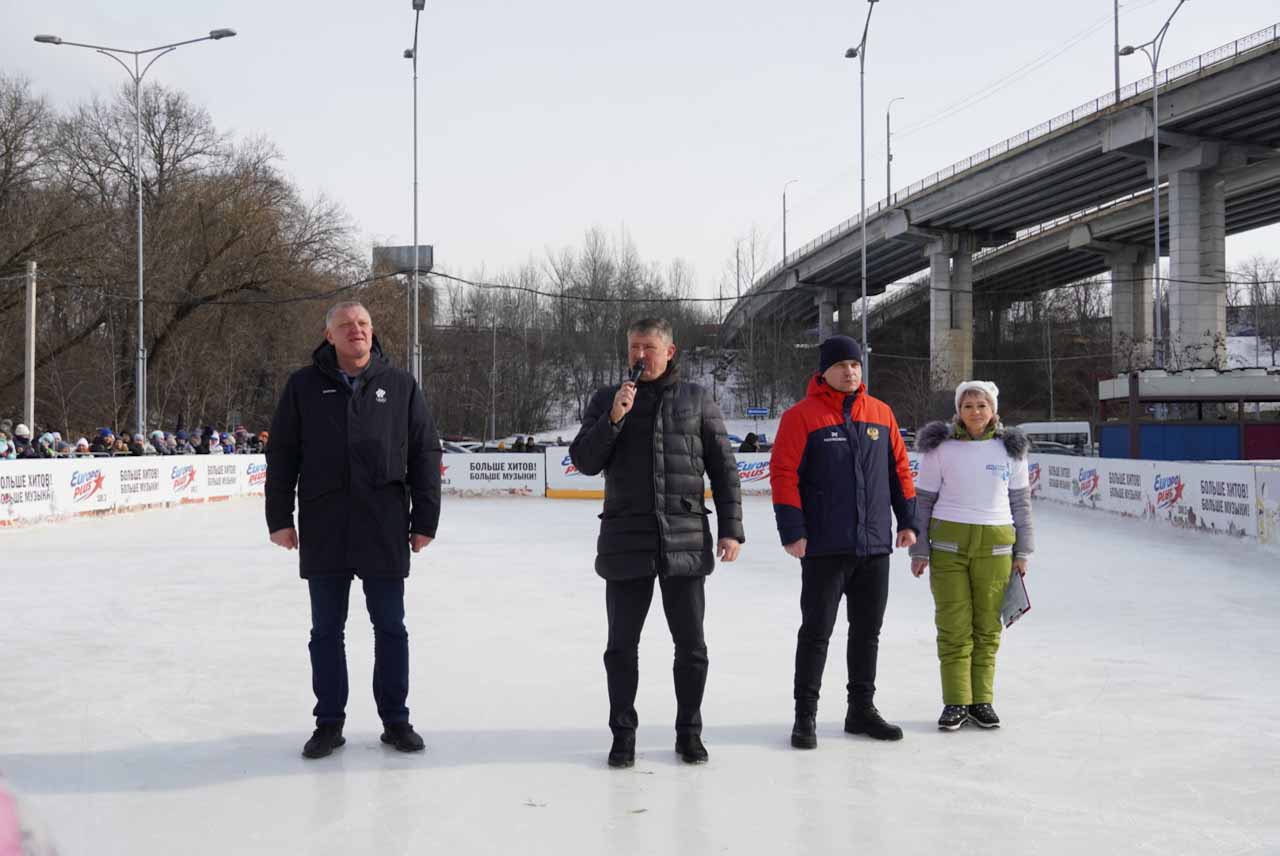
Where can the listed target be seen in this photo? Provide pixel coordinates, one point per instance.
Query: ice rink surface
(155, 695)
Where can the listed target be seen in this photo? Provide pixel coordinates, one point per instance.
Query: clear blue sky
(677, 122)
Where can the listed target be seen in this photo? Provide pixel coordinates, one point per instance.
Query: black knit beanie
(837, 349)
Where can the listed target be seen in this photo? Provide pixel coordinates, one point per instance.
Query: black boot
(983, 715)
(867, 720)
(327, 737)
(804, 734)
(623, 751)
(402, 736)
(690, 749)
(953, 716)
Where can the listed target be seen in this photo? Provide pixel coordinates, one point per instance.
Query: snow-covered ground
(154, 696)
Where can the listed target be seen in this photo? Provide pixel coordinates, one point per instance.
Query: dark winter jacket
(365, 463)
(837, 467)
(655, 515)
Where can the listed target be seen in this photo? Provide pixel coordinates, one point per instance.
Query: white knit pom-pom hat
(986, 387)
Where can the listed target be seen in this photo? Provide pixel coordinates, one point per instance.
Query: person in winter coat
(837, 467)
(353, 435)
(653, 440)
(24, 448)
(104, 442)
(974, 509)
(750, 443)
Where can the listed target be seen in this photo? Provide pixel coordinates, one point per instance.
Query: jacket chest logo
(327, 391)
(873, 433)
(835, 437)
(380, 395)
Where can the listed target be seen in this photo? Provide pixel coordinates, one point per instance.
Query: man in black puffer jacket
(353, 435)
(653, 440)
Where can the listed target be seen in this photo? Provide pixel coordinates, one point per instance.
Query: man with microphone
(654, 436)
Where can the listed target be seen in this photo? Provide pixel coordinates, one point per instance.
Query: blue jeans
(385, 600)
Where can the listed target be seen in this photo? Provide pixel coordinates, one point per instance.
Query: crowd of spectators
(20, 442)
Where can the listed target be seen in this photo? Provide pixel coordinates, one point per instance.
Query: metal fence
(1197, 65)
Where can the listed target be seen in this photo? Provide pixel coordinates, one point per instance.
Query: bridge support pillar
(1197, 269)
(1131, 307)
(826, 301)
(845, 310)
(950, 312)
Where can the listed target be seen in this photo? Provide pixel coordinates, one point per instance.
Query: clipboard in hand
(1016, 603)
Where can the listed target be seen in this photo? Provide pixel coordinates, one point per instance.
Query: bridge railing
(1183, 69)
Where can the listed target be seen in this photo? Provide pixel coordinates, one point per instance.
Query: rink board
(1221, 498)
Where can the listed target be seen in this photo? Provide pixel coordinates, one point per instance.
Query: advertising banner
(221, 475)
(1055, 477)
(27, 490)
(139, 481)
(1123, 487)
(508, 473)
(565, 482)
(1266, 482)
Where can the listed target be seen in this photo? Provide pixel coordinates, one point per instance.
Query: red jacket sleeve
(784, 476)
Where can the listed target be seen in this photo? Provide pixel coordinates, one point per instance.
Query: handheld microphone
(636, 371)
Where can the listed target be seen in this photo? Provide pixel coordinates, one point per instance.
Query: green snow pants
(969, 567)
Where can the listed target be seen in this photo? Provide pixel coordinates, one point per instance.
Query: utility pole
(29, 374)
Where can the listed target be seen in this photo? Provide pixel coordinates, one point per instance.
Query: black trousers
(864, 583)
(384, 598)
(684, 602)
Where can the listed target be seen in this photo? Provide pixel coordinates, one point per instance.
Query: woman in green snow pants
(973, 500)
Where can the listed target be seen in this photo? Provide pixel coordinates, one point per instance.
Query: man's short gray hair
(338, 307)
(644, 326)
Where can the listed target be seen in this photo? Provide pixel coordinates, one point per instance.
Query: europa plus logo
(86, 484)
(184, 477)
(257, 474)
(753, 471)
(1087, 482)
(569, 468)
(1168, 490)
(1033, 472)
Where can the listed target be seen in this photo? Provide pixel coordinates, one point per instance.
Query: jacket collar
(832, 397)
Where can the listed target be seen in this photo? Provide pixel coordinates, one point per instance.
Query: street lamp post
(1152, 50)
(412, 54)
(860, 52)
(888, 149)
(784, 217)
(136, 75)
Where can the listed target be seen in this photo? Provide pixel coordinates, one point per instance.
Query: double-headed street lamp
(1152, 50)
(136, 75)
(412, 54)
(860, 53)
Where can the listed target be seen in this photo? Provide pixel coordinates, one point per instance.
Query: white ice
(154, 696)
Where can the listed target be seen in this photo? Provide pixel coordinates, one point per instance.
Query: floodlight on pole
(860, 53)
(136, 74)
(1152, 51)
(416, 338)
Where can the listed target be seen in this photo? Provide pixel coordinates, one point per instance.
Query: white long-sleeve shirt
(972, 479)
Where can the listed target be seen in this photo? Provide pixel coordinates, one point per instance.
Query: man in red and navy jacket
(838, 466)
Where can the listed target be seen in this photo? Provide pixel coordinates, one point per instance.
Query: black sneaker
(623, 751)
(953, 716)
(327, 737)
(867, 720)
(690, 749)
(402, 737)
(984, 716)
(804, 734)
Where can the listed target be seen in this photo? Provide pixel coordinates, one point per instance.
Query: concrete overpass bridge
(1004, 218)
(1114, 237)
